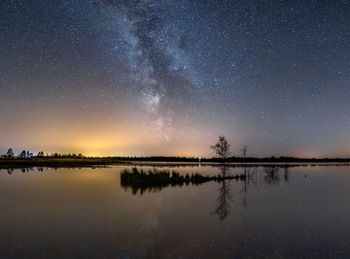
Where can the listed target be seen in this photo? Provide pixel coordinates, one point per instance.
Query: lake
(301, 211)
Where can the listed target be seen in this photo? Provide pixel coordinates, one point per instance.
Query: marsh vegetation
(140, 180)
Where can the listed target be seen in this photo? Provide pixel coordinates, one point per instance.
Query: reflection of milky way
(167, 77)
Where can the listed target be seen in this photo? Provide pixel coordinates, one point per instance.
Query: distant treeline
(27, 154)
(182, 159)
(281, 159)
(159, 159)
(232, 159)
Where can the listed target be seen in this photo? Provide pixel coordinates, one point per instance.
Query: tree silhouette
(221, 148)
(10, 153)
(244, 150)
(22, 154)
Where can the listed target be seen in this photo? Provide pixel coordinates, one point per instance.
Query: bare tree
(221, 148)
(244, 150)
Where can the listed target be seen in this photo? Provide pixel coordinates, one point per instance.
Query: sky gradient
(108, 77)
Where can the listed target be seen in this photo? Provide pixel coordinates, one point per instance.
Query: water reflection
(248, 177)
(86, 213)
(140, 181)
(25, 169)
(224, 199)
(286, 174)
(155, 180)
(272, 176)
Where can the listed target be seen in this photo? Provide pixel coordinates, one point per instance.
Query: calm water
(297, 212)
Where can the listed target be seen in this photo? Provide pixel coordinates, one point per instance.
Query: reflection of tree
(286, 174)
(223, 200)
(224, 171)
(272, 175)
(249, 177)
(23, 169)
(225, 196)
(26, 169)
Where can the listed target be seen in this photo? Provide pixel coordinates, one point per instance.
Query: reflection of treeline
(24, 169)
(55, 162)
(155, 180)
(11, 170)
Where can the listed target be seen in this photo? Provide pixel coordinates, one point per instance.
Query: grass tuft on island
(155, 180)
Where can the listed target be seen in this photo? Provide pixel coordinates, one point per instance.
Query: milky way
(111, 77)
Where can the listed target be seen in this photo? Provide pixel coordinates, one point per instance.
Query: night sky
(108, 77)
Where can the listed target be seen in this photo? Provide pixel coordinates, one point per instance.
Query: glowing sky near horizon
(108, 77)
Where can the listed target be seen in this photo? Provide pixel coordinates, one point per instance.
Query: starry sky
(167, 77)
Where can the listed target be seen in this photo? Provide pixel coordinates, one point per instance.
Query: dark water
(86, 213)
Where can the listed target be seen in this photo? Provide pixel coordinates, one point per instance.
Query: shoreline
(91, 162)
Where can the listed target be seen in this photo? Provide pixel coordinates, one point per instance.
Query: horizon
(212, 156)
